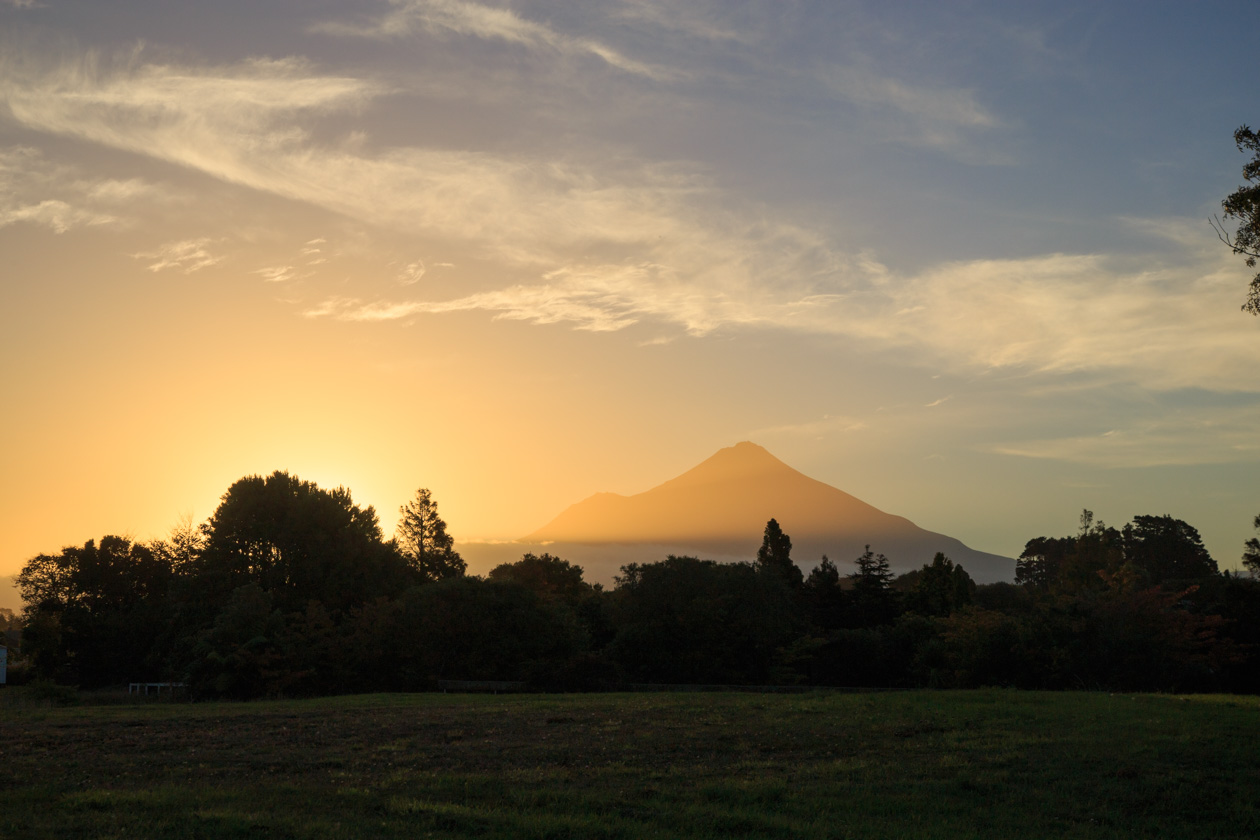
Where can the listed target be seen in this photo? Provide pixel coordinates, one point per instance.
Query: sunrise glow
(955, 262)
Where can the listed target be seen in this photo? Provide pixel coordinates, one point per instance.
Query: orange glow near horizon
(522, 264)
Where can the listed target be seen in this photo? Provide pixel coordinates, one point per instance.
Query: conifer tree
(775, 555)
(422, 538)
(874, 601)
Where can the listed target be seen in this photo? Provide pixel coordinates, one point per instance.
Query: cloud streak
(244, 124)
(636, 242)
(407, 18)
(1208, 436)
(1057, 314)
(33, 190)
(931, 115)
(688, 20)
(187, 256)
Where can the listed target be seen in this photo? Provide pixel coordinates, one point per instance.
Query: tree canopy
(545, 574)
(1243, 204)
(1164, 548)
(690, 620)
(289, 589)
(941, 588)
(94, 611)
(297, 542)
(1146, 552)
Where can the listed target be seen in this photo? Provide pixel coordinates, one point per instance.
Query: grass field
(898, 765)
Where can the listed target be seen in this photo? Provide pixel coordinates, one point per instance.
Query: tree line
(290, 589)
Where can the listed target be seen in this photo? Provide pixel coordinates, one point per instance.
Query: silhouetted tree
(1096, 557)
(545, 574)
(872, 597)
(825, 597)
(941, 588)
(298, 543)
(422, 537)
(1162, 548)
(1041, 563)
(1244, 205)
(92, 612)
(686, 620)
(775, 555)
(183, 545)
(1251, 553)
(239, 655)
(1147, 551)
(556, 579)
(465, 628)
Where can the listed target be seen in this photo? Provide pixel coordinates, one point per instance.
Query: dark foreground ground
(998, 764)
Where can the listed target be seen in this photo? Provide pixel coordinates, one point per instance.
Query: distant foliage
(545, 574)
(686, 620)
(1149, 551)
(941, 589)
(289, 589)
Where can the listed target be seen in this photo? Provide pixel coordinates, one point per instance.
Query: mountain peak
(740, 462)
(722, 505)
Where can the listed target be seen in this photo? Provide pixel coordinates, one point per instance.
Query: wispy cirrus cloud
(1170, 326)
(36, 191)
(56, 215)
(187, 255)
(691, 20)
(277, 273)
(1056, 314)
(641, 242)
(245, 124)
(1197, 436)
(411, 273)
(765, 275)
(932, 115)
(477, 20)
(126, 103)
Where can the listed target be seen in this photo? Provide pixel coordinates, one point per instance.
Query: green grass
(823, 765)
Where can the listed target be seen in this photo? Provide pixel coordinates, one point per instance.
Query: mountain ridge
(722, 504)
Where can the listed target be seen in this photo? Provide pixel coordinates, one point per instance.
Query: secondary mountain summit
(722, 505)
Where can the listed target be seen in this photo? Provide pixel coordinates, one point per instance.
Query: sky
(953, 258)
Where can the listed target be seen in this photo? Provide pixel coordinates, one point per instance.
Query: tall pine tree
(423, 540)
(775, 555)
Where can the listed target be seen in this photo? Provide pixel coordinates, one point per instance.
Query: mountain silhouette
(721, 507)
